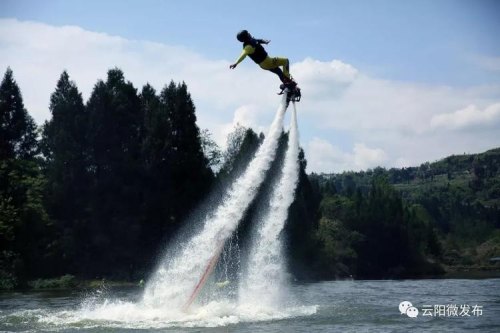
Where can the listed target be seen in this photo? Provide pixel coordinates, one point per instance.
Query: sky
(384, 83)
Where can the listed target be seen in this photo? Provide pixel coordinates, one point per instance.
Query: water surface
(337, 306)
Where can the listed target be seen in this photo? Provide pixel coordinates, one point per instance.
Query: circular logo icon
(403, 306)
(412, 312)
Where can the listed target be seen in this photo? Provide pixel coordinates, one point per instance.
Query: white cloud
(397, 117)
(38, 53)
(322, 156)
(323, 80)
(246, 116)
(470, 117)
(311, 70)
(349, 119)
(325, 157)
(403, 163)
(365, 157)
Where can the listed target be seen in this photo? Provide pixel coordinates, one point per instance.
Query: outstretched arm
(246, 51)
(263, 41)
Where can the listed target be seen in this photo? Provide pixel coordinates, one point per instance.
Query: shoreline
(70, 282)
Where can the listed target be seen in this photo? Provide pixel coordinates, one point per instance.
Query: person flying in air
(253, 48)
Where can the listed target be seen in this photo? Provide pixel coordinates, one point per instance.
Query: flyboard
(293, 94)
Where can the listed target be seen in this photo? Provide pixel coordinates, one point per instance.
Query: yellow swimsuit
(268, 63)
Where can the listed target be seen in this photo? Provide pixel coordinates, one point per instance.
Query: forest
(451, 211)
(102, 187)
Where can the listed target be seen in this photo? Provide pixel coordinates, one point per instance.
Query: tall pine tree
(190, 176)
(17, 128)
(157, 168)
(176, 170)
(23, 221)
(65, 149)
(115, 136)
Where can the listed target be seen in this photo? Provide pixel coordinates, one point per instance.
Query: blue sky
(394, 39)
(414, 49)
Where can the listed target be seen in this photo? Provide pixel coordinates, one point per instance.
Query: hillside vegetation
(453, 207)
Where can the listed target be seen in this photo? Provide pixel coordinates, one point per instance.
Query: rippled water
(338, 306)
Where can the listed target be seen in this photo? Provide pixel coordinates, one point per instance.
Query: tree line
(104, 185)
(438, 215)
(100, 186)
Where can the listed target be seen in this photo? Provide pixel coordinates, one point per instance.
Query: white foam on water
(121, 314)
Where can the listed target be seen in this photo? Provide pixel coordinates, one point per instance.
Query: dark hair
(243, 36)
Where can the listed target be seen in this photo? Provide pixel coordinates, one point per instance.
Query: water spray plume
(176, 279)
(265, 279)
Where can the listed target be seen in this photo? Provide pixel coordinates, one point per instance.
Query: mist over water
(178, 275)
(254, 294)
(265, 281)
(163, 303)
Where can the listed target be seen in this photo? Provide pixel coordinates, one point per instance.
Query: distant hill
(458, 197)
(475, 176)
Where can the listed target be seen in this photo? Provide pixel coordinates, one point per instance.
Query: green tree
(25, 229)
(115, 129)
(18, 137)
(300, 230)
(211, 150)
(242, 143)
(158, 191)
(177, 173)
(24, 225)
(65, 148)
(191, 175)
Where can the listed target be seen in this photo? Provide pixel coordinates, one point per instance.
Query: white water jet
(161, 305)
(265, 281)
(176, 277)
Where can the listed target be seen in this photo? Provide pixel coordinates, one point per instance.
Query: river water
(447, 305)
